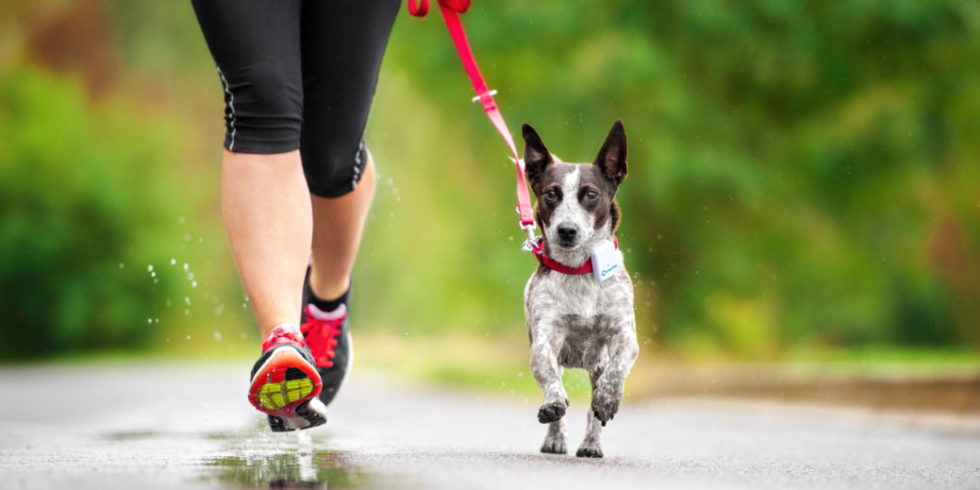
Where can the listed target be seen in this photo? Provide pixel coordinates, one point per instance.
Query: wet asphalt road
(169, 425)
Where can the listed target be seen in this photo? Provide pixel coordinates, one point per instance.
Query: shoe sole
(283, 383)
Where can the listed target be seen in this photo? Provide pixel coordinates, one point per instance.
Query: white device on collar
(605, 261)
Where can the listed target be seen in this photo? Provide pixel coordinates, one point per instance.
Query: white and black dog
(573, 319)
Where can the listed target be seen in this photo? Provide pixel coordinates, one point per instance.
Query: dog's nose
(567, 233)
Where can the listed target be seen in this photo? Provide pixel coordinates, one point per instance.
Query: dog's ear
(536, 156)
(612, 156)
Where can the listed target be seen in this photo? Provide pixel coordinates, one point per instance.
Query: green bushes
(801, 174)
(798, 169)
(80, 220)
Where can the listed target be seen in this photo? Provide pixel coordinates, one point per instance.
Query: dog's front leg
(608, 378)
(545, 344)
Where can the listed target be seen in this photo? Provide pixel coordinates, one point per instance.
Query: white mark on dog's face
(570, 224)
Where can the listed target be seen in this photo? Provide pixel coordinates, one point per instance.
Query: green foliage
(802, 174)
(792, 163)
(80, 221)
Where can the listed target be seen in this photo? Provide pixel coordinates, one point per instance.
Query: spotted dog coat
(574, 320)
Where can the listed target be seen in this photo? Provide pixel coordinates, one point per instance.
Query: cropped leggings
(300, 74)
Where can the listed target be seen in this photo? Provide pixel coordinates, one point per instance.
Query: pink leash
(450, 12)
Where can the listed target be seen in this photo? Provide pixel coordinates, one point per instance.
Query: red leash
(450, 12)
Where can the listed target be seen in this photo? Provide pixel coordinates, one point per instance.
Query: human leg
(268, 218)
(265, 203)
(338, 225)
(343, 43)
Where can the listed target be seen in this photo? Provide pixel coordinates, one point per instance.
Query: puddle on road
(318, 469)
(291, 460)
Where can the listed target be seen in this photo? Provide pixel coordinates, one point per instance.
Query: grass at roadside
(494, 365)
(906, 377)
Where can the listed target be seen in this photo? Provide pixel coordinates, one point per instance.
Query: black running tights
(300, 74)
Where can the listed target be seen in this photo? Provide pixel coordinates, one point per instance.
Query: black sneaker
(285, 383)
(327, 333)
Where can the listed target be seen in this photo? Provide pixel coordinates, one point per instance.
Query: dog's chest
(578, 310)
(570, 295)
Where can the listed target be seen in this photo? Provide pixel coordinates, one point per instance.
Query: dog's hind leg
(590, 447)
(554, 442)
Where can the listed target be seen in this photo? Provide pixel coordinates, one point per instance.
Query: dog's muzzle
(567, 235)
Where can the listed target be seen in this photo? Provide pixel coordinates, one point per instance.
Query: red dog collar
(586, 268)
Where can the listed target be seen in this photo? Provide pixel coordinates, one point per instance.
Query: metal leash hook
(532, 239)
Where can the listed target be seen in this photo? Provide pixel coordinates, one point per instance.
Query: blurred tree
(77, 230)
(801, 173)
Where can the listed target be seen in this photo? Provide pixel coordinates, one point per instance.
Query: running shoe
(327, 333)
(285, 382)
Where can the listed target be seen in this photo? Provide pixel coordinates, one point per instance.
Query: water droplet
(187, 311)
(190, 276)
(173, 261)
(121, 265)
(149, 320)
(186, 267)
(180, 220)
(188, 337)
(149, 268)
(187, 300)
(217, 336)
(193, 284)
(153, 274)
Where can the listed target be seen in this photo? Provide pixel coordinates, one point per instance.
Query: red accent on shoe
(283, 334)
(321, 336)
(274, 371)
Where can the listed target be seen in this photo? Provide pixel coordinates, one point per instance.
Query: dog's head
(576, 205)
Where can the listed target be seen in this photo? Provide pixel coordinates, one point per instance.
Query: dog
(576, 320)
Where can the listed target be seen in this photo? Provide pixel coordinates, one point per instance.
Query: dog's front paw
(605, 405)
(554, 445)
(550, 412)
(589, 451)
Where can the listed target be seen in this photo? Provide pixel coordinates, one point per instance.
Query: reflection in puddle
(289, 470)
(278, 465)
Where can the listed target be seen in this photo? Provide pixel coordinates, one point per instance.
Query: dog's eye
(551, 195)
(591, 195)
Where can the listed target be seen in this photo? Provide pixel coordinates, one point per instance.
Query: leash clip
(532, 239)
